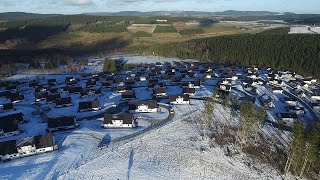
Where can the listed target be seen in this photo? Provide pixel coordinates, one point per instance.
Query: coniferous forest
(299, 53)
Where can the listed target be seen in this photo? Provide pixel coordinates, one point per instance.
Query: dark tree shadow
(130, 163)
(105, 140)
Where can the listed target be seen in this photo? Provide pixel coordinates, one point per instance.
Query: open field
(149, 28)
(188, 25)
(73, 39)
(222, 27)
(78, 38)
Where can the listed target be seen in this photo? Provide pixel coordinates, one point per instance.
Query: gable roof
(126, 118)
(89, 104)
(9, 123)
(61, 121)
(173, 98)
(8, 147)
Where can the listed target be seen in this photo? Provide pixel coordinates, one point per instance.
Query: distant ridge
(22, 15)
(185, 13)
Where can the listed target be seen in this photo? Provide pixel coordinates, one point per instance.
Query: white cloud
(80, 2)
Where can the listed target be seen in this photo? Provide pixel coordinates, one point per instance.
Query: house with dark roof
(9, 126)
(296, 109)
(119, 121)
(277, 90)
(143, 107)
(71, 81)
(74, 89)
(121, 89)
(288, 118)
(107, 84)
(16, 97)
(63, 102)
(6, 107)
(267, 101)
(27, 146)
(197, 83)
(207, 75)
(179, 99)
(61, 123)
(89, 106)
(33, 84)
(225, 87)
(175, 80)
(52, 97)
(315, 105)
(251, 89)
(40, 96)
(91, 82)
(90, 92)
(159, 91)
(128, 95)
(189, 91)
(189, 84)
(290, 101)
(8, 150)
(142, 78)
(315, 95)
(5, 94)
(52, 82)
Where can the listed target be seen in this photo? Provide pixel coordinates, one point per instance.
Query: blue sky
(81, 6)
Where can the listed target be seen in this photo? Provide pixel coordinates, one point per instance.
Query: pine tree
(312, 150)
(109, 66)
(208, 118)
(297, 149)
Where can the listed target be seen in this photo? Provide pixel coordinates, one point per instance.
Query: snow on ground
(315, 29)
(106, 101)
(133, 59)
(167, 153)
(163, 114)
(170, 152)
(301, 30)
(75, 148)
(34, 127)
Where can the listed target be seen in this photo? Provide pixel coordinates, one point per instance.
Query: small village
(34, 111)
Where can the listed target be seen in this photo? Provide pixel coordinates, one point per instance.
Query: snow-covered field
(304, 30)
(133, 59)
(170, 152)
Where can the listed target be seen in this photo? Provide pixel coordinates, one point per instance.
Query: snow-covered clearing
(170, 152)
(133, 59)
(303, 30)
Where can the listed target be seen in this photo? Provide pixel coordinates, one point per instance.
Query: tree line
(299, 53)
(104, 27)
(164, 29)
(304, 154)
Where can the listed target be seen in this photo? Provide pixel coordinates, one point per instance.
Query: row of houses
(27, 146)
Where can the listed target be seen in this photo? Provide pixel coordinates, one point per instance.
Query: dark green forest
(299, 53)
(104, 27)
(164, 29)
(282, 30)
